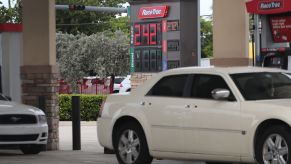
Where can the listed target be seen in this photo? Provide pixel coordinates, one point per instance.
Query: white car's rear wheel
(130, 145)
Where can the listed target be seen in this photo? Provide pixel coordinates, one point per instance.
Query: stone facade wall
(139, 78)
(43, 81)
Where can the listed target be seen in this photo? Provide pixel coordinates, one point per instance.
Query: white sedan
(22, 126)
(239, 114)
(125, 85)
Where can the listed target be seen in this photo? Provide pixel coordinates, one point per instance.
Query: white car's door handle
(189, 106)
(142, 103)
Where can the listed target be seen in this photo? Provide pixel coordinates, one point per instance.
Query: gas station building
(163, 36)
(275, 25)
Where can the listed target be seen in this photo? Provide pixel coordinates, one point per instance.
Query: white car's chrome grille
(15, 119)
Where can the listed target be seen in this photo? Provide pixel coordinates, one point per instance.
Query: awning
(268, 6)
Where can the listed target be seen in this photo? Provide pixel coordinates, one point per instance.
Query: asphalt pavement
(91, 151)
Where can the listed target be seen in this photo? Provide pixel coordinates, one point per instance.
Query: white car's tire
(274, 145)
(130, 145)
(31, 149)
(220, 163)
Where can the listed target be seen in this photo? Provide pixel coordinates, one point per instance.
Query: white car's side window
(170, 86)
(203, 85)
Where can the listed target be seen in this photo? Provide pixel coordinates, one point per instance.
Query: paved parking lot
(91, 152)
(66, 157)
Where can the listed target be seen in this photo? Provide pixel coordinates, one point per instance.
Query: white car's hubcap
(275, 150)
(129, 147)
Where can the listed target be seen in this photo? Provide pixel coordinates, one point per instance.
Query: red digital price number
(147, 34)
(153, 34)
(137, 35)
(173, 26)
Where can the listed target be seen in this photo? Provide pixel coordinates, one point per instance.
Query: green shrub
(90, 105)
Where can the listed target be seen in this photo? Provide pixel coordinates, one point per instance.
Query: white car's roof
(203, 70)
(226, 70)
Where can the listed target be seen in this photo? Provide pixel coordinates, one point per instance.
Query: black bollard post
(76, 123)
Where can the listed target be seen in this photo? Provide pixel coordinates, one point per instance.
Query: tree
(18, 11)
(206, 38)
(114, 54)
(105, 53)
(74, 22)
(121, 23)
(11, 14)
(9, 4)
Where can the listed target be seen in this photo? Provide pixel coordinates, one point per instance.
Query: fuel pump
(276, 58)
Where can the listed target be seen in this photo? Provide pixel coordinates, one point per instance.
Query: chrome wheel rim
(129, 147)
(275, 150)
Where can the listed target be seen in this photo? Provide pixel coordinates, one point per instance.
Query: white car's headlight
(42, 119)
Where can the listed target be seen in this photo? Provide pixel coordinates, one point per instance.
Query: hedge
(90, 105)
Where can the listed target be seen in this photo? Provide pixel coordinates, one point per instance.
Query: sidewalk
(91, 153)
(89, 141)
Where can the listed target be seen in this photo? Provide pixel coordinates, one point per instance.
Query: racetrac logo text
(153, 12)
(270, 5)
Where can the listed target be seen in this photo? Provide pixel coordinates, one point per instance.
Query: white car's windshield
(263, 85)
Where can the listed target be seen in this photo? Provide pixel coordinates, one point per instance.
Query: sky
(5, 2)
(205, 6)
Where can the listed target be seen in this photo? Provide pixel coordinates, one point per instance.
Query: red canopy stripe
(9, 27)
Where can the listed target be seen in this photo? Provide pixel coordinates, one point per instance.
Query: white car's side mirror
(220, 94)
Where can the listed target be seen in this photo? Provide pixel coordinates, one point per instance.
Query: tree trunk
(9, 4)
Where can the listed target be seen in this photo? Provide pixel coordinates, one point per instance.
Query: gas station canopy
(264, 7)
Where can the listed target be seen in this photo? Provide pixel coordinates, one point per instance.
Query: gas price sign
(157, 38)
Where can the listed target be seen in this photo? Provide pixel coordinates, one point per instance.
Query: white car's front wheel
(130, 145)
(31, 149)
(274, 146)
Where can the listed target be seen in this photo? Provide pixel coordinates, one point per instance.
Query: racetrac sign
(153, 12)
(268, 6)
